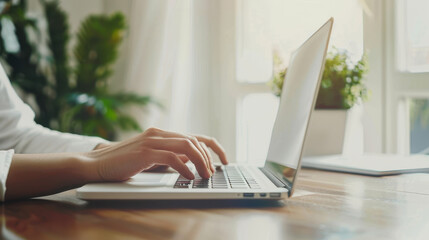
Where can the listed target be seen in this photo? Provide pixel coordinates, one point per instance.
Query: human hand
(155, 147)
(155, 167)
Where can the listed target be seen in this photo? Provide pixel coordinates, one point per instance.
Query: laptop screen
(296, 103)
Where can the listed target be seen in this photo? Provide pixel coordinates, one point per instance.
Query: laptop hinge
(274, 179)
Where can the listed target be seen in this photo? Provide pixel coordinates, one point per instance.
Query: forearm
(33, 175)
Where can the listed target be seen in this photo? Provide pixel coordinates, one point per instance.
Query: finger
(194, 140)
(215, 145)
(209, 156)
(181, 146)
(184, 158)
(201, 149)
(172, 160)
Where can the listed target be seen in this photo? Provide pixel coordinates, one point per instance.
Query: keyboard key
(224, 178)
(235, 184)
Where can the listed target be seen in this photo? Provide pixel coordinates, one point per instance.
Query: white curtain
(162, 61)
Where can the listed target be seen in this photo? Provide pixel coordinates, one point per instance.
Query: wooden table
(326, 205)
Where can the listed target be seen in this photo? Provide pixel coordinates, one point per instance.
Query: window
(419, 125)
(413, 35)
(407, 76)
(263, 27)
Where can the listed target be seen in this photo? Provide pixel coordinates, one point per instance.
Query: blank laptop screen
(296, 103)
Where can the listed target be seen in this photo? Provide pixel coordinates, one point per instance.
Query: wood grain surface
(326, 205)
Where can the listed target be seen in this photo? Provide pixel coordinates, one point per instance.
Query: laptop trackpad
(152, 179)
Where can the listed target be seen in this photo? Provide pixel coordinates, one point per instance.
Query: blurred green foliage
(342, 83)
(70, 97)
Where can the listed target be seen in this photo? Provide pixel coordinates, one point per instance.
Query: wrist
(88, 165)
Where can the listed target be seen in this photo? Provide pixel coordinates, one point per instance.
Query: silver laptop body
(276, 179)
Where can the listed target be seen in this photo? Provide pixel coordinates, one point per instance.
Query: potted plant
(335, 126)
(71, 91)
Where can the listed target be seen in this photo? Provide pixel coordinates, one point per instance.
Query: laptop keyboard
(224, 177)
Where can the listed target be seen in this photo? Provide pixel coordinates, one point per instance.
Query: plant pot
(335, 132)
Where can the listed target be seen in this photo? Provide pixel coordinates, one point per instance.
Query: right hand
(155, 147)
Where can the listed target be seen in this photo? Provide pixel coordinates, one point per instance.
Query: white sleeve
(5, 159)
(18, 130)
(20, 134)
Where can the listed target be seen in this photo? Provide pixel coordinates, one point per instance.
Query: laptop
(277, 178)
(370, 164)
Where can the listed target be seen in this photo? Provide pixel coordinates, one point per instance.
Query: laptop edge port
(275, 195)
(248, 194)
(262, 194)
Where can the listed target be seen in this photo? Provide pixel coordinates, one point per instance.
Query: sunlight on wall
(283, 25)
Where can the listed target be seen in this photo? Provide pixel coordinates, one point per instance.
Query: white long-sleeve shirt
(20, 134)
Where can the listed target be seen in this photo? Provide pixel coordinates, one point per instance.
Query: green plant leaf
(58, 32)
(73, 100)
(342, 83)
(98, 40)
